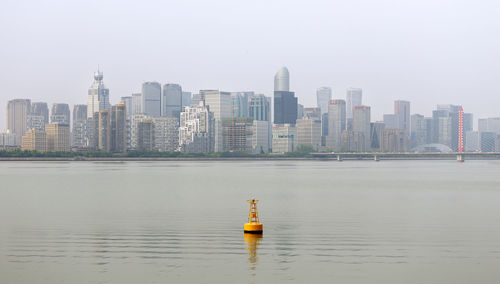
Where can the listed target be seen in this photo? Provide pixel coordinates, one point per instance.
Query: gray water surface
(181, 222)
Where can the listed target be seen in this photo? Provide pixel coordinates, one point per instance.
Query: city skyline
(387, 50)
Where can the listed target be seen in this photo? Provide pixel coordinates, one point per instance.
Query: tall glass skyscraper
(323, 96)
(60, 113)
(354, 99)
(259, 107)
(172, 100)
(282, 80)
(151, 99)
(98, 96)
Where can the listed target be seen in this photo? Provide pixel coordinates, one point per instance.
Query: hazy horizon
(426, 52)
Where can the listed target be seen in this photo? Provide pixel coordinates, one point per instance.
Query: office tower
(285, 107)
(98, 96)
(166, 134)
(220, 104)
(487, 141)
(118, 128)
(472, 143)
(418, 130)
(453, 113)
(60, 113)
(395, 140)
(38, 116)
(172, 100)
(197, 129)
(352, 141)
(137, 104)
(151, 99)
(376, 135)
(237, 134)
(79, 134)
(323, 96)
(491, 124)
(103, 131)
(354, 99)
(361, 123)
(34, 140)
(284, 138)
(261, 136)
(145, 135)
(300, 111)
(468, 122)
(391, 121)
(259, 107)
(309, 133)
(134, 128)
(17, 116)
(429, 130)
(239, 103)
(128, 104)
(186, 99)
(282, 80)
(58, 137)
(402, 112)
(336, 123)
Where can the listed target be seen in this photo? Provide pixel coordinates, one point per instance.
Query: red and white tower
(460, 130)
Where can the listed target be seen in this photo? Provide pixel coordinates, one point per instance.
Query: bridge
(377, 156)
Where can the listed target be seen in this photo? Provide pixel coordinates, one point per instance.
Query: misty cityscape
(168, 119)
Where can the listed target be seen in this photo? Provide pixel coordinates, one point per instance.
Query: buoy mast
(253, 226)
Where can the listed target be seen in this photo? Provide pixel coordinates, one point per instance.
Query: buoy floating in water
(253, 226)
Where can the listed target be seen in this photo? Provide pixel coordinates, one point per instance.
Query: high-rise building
(8, 141)
(136, 104)
(172, 100)
(186, 99)
(18, 111)
(98, 96)
(353, 141)
(58, 137)
(60, 113)
(34, 140)
(128, 104)
(300, 111)
(38, 116)
(151, 99)
(472, 142)
(391, 121)
(197, 129)
(361, 123)
(259, 107)
(261, 136)
(166, 134)
(79, 133)
(104, 131)
(377, 135)
(309, 133)
(354, 99)
(239, 103)
(284, 138)
(336, 123)
(395, 140)
(418, 130)
(237, 134)
(134, 130)
(402, 112)
(220, 104)
(285, 107)
(323, 96)
(118, 128)
(282, 80)
(145, 135)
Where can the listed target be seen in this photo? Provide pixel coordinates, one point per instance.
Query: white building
(354, 98)
(196, 131)
(282, 80)
(219, 103)
(309, 133)
(261, 136)
(98, 96)
(284, 138)
(166, 134)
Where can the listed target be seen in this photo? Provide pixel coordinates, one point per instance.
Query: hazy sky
(424, 51)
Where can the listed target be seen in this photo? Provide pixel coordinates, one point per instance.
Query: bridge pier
(460, 158)
(376, 158)
(339, 158)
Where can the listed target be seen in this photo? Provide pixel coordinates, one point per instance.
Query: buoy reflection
(252, 241)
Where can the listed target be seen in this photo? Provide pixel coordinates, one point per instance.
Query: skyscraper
(186, 99)
(103, 130)
(17, 116)
(354, 98)
(361, 123)
(79, 134)
(172, 100)
(259, 107)
(402, 111)
(282, 80)
(136, 104)
(166, 134)
(98, 98)
(60, 113)
(309, 133)
(323, 96)
(151, 99)
(118, 128)
(285, 107)
(239, 103)
(39, 116)
(220, 104)
(58, 137)
(196, 131)
(336, 123)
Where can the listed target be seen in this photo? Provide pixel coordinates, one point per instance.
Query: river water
(181, 222)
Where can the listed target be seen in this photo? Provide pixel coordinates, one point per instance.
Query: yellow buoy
(253, 226)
